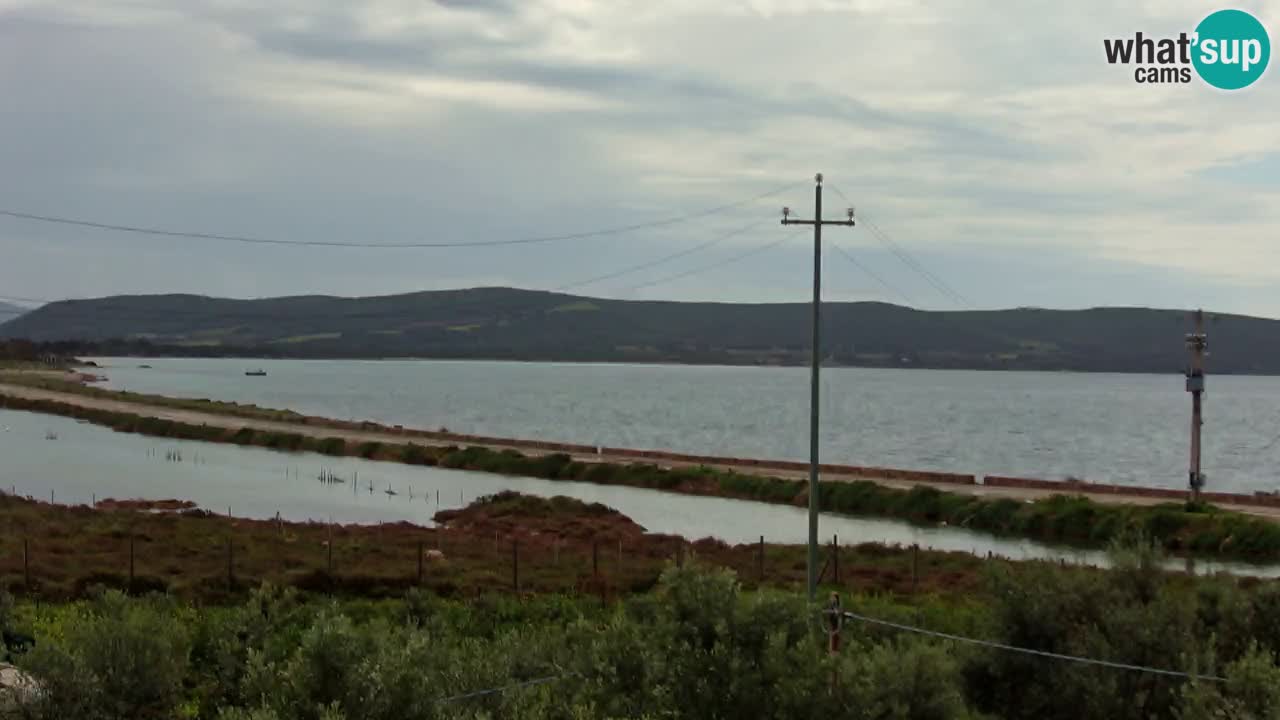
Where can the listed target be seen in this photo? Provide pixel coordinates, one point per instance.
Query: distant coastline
(504, 324)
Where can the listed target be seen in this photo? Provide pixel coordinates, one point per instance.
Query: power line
(713, 266)
(1029, 651)
(479, 304)
(938, 283)
(504, 688)
(874, 275)
(94, 224)
(907, 259)
(653, 263)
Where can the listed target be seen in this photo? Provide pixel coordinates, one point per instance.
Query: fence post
(835, 558)
(835, 620)
(515, 565)
(760, 560)
(419, 562)
(915, 568)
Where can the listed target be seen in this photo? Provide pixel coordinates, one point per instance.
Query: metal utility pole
(817, 222)
(1196, 343)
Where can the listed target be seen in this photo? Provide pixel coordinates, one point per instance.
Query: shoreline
(65, 389)
(801, 365)
(1242, 533)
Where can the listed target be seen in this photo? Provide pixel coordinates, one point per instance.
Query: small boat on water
(255, 373)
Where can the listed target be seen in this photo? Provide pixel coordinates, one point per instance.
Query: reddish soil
(526, 544)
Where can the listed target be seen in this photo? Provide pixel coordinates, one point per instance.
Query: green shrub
(332, 446)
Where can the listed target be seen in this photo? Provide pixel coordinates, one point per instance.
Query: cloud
(984, 136)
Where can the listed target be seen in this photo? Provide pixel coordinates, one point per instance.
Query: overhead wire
(666, 258)
(713, 266)
(191, 234)
(504, 688)
(474, 304)
(938, 283)
(906, 257)
(873, 275)
(1027, 651)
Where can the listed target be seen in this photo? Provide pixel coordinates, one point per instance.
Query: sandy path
(225, 421)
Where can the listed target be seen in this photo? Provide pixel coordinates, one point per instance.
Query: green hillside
(506, 323)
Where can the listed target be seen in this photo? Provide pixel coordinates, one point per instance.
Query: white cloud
(977, 128)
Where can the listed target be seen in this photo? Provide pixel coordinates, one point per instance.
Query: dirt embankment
(559, 518)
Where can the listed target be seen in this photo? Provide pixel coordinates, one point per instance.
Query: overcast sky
(989, 139)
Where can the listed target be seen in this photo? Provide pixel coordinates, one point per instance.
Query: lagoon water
(87, 462)
(69, 462)
(1120, 428)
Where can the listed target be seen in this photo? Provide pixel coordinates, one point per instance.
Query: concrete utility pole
(1196, 343)
(817, 222)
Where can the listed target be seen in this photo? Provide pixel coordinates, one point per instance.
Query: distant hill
(503, 323)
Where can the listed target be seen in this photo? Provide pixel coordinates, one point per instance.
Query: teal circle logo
(1231, 49)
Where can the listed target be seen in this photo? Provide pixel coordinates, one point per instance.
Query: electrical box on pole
(1196, 344)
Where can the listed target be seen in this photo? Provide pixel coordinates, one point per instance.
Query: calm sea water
(1129, 429)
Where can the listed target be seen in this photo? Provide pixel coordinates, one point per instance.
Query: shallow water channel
(74, 462)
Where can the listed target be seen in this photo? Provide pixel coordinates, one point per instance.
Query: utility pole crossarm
(817, 222)
(792, 221)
